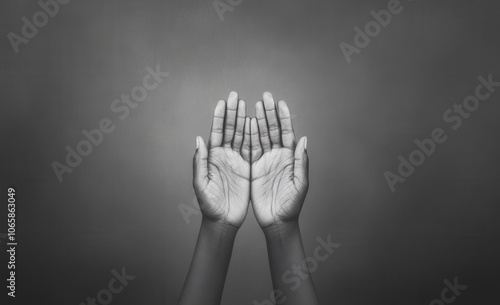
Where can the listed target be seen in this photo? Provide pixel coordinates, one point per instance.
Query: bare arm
(221, 182)
(280, 180)
(207, 274)
(289, 274)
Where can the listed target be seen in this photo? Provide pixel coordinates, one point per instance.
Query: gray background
(119, 208)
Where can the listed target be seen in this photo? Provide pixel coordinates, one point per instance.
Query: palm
(222, 171)
(274, 192)
(227, 193)
(277, 179)
(279, 165)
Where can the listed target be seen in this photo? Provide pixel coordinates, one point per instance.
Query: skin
(222, 172)
(279, 170)
(255, 160)
(280, 180)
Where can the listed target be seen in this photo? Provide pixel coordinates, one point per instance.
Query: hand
(221, 177)
(279, 166)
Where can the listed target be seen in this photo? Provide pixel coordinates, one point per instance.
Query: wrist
(282, 231)
(218, 229)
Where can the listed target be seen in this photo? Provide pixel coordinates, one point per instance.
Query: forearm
(207, 274)
(289, 272)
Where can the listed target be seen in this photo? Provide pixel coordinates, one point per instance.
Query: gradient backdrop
(120, 207)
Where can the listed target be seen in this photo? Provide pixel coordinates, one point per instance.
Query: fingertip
(283, 109)
(233, 95)
(232, 101)
(242, 104)
(242, 110)
(302, 144)
(220, 108)
(259, 109)
(268, 100)
(253, 125)
(200, 142)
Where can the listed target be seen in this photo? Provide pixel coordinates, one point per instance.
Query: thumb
(301, 168)
(200, 164)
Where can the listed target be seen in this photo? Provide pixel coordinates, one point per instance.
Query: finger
(301, 166)
(217, 133)
(287, 134)
(240, 125)
(200, 164)
(246, 147)
(262, 123)
(272, 119)
(230, 123)
(255, 140)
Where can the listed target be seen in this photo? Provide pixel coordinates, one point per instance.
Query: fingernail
(305, 143)
(197, 143)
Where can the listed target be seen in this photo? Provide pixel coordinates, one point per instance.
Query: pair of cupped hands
(253, 160)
